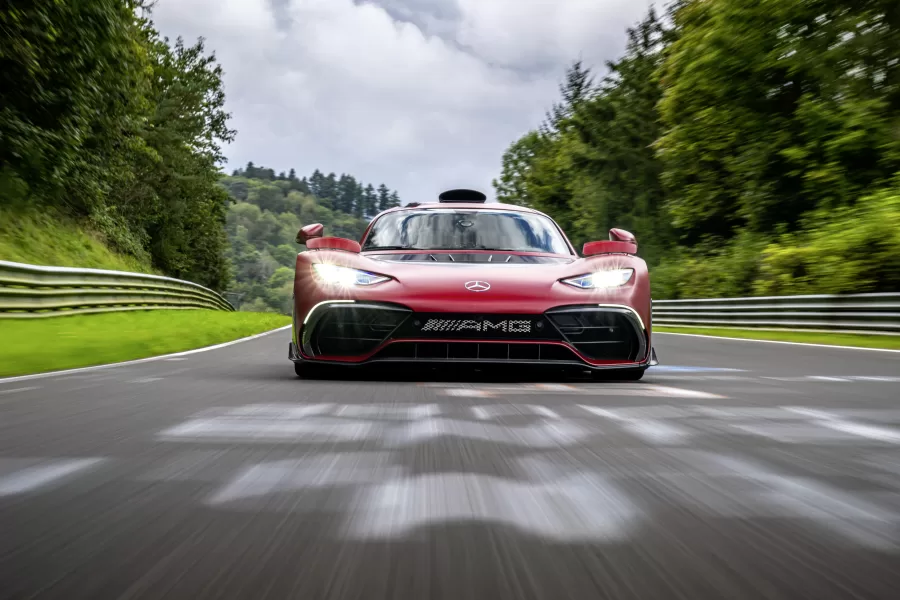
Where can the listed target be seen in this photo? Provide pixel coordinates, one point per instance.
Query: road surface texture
(735, 469)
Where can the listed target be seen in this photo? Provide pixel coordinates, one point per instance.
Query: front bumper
(587, 336)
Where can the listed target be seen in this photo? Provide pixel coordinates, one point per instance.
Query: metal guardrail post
(31, 291)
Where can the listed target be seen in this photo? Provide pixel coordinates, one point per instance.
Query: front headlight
(345, 276)
(601, 279)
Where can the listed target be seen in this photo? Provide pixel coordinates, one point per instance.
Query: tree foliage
(263, 222)
(104, 119)
(739, 139)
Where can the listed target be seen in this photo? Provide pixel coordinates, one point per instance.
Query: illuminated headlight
(345, 276)
(601, 279)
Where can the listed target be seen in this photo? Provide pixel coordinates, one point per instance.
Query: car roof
(465, 205)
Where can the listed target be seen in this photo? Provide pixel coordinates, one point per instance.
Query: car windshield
(448, 229)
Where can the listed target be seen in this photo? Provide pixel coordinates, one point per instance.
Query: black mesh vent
(600, 334)
(350, 330)
(474, 351)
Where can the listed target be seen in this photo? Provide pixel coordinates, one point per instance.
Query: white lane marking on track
(744, 412)
(140, 360)
(326, 470)
(663, 390)
(795, 433)
(832, 421)
(280, 411)
(259, 430)
(468, 393)
(145, 380)
(544, 411)
(18, 390)
(640, 390)
(554, 387)
(824, 378)
(804, 498)
(41, 475)
(650, 430)
(386, 411)
(549, 434)
(480, 413)
(566, 509)
(487, 412)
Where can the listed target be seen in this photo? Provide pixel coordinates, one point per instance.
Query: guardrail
(29, 291)
(869, 313)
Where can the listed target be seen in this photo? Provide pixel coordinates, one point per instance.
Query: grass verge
(890, 342)
(40, 345)
(49, 239)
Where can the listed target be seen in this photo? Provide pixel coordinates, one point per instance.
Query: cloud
(422, 95)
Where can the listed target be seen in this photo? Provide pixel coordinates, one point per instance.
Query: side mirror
(310, 232)
(334, 243)
(620, 235)
(610, 247)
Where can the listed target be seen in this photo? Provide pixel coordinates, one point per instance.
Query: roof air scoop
(463, 196)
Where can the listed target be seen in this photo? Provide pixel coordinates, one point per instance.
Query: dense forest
(268, 210)
(105, 122)
(752, 146)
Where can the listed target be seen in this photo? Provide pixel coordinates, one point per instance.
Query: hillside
(111, 141)
(268, 210)
(50, 238)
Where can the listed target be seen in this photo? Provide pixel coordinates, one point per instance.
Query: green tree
(346, 194)
(383, 202)
(369, 202)
(775, 108)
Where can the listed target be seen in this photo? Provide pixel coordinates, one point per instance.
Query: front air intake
(602, 333)
(350, 329)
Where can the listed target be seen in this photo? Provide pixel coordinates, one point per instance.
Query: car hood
(517, 285)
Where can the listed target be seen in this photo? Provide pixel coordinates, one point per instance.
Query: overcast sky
(423, 95)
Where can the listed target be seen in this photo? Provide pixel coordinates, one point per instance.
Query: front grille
(507, 327)
(602, 334)
(350, 329)
(476, 351)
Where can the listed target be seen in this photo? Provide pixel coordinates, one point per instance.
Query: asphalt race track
(734, 470)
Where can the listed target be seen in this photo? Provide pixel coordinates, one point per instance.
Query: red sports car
(464, 281)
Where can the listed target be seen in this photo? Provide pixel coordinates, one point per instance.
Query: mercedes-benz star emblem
(478, 286)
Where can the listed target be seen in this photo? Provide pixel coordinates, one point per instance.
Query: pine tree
(316, 181)
(329, 187)
(384, 199)
(394, 200)
(578, 87)
(346, 194)
(369, 205)
(359, 198)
